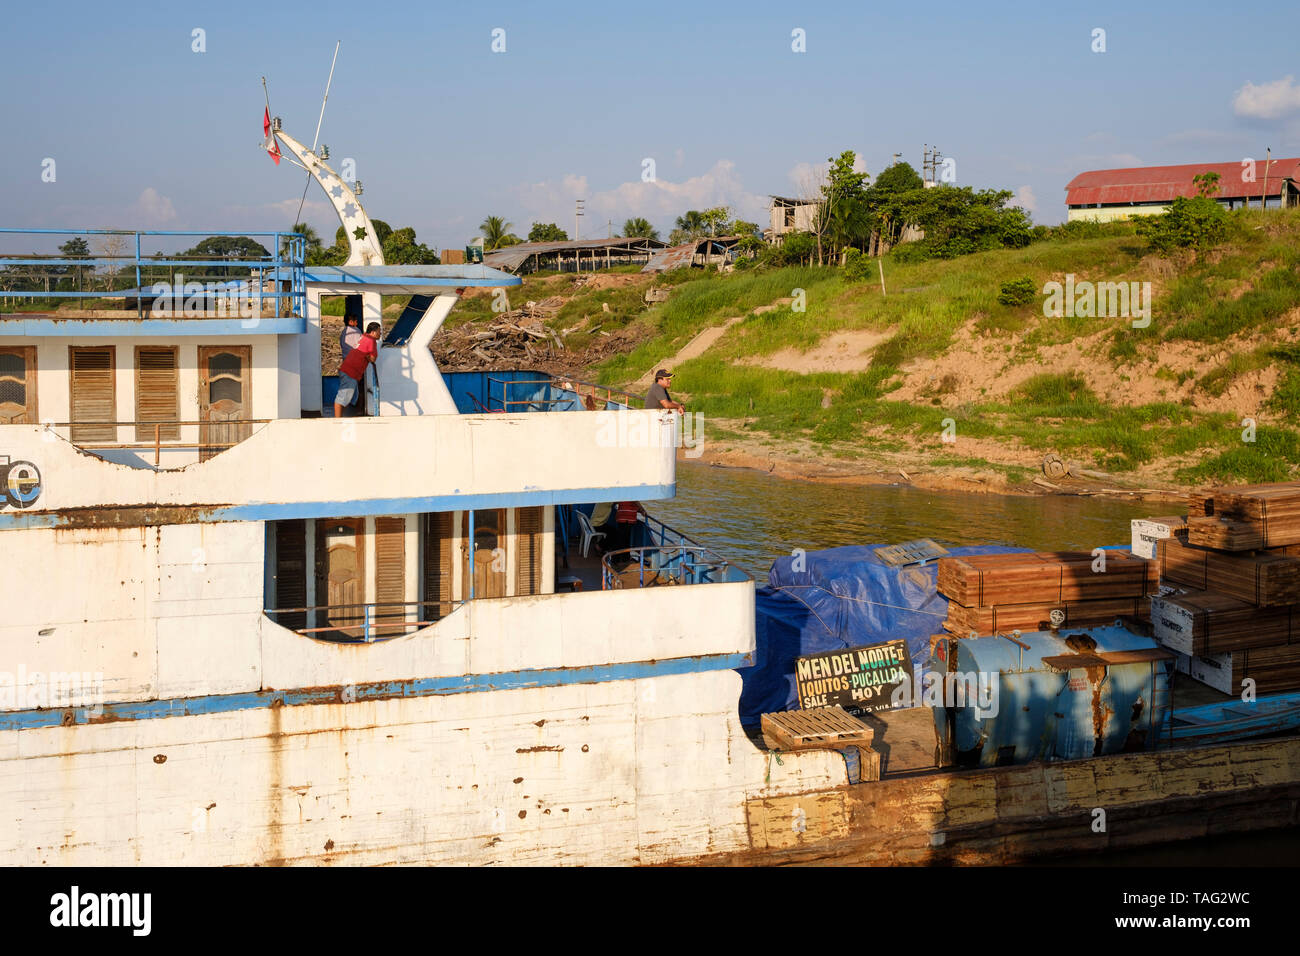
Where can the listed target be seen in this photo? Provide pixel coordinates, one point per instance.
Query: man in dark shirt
(658, 396)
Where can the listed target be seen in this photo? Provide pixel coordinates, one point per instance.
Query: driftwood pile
(516, 339)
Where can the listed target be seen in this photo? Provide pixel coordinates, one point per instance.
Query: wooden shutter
(157, 390)
(18, 385)
(437, 566)
(390, 573)
(94, 393)
(291, 572)
(528, 551)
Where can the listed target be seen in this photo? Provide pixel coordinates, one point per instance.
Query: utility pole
(1268, 161)
(577, 219)
(930, 157)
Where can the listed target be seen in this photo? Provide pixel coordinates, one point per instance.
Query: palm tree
(496, 233)
(311, 245)
(692, 223)
(640, 228)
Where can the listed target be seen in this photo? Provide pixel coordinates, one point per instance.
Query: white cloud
(1026, 199)
(1267, 100)
(153, 208)
(660, 201)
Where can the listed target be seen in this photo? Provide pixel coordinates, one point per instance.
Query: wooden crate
(819, 729)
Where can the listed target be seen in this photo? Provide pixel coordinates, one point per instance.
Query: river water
(753, 518)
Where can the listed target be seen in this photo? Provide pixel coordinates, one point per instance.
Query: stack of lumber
(1236, 610)
(1206, 622)
(1000, 592)
(1273, 669)
(1037, 617)
(1249, 518)
(1264, 578)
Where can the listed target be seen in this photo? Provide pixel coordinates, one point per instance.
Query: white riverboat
(238, 630)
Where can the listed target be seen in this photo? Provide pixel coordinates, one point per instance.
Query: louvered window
(94, 393)
(437, 566)
(528, 558)
(18, 386)
(390, 574)
(291, 572)
(156, 393)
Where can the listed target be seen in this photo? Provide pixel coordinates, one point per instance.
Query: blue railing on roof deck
(119, 262)
(527, 390)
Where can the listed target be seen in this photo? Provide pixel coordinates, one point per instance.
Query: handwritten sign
(859, 679)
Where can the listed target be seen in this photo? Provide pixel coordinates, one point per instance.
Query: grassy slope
(1249, 284)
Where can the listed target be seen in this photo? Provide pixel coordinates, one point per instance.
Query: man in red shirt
(353, 369)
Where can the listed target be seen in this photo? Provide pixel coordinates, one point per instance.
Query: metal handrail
(158, 440)
(285, 264)
(572, 385)
(688, 571)
(370, 620)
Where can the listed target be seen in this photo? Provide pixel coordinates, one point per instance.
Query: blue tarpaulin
(842, 597)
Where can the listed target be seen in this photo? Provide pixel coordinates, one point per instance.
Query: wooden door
(341, 576)
(485, 556)
(224, 373)
(18, 385)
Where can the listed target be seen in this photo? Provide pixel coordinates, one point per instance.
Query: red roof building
(1143, 190)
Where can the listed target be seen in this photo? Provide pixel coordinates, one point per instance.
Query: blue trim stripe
(267, 325)
(11, 520)
(381, 690)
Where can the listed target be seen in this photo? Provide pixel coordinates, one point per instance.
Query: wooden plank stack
(1002, 592)
(1249, 518)
(1236, 610)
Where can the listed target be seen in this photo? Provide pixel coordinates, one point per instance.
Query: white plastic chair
(589, 534)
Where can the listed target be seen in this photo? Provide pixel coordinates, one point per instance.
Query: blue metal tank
(1048, 695)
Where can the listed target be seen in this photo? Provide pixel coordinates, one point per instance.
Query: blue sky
(147, 134)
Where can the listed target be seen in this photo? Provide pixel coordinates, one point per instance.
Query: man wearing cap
(658, 396)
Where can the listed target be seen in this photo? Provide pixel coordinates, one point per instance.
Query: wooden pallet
(819, 729)
(910, 552)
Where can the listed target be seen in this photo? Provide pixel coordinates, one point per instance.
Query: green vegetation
(546, 232)
(1188, 223)
(1020, 291)
(1249, 287)
(640, 227)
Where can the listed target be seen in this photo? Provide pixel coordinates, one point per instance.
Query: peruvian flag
(269, 144)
